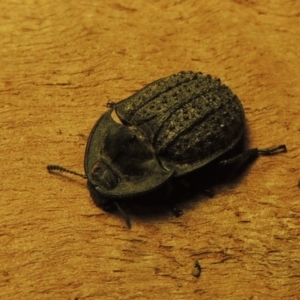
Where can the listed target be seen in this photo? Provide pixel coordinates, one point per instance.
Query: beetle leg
(176, 211)
(253, 153)
(250, 153)
(110, 104)
(107, 205)
(272, 150)
(205, 191)
(122, 212)
(208, 193)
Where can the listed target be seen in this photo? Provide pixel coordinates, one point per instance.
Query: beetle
(170, 128)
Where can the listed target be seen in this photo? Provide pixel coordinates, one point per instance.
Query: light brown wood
(61, 61)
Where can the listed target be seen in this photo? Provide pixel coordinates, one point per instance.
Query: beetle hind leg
(248, 154)
(272, 150)
(253, 153)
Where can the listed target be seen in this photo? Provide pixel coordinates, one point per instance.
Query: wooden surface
(61, 61)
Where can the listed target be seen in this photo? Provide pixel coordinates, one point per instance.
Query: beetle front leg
(107, 204)
(102, 202)
(123, 214)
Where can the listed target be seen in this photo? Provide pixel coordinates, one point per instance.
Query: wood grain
(61, 61)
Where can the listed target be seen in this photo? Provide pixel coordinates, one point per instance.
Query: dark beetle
(169, 128)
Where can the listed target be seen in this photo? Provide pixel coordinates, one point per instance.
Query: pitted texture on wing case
(187, 117)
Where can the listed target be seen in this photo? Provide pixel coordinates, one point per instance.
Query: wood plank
(61, 61)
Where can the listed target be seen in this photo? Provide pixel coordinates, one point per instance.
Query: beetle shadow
(184, 192)
(198, 186)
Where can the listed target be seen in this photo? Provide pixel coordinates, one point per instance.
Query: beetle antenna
(122, 212)
(53, 168)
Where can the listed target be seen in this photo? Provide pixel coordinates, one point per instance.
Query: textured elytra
(170, 127)
(189, 118)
